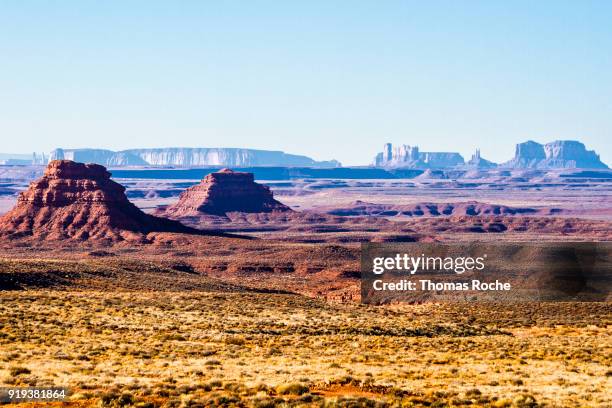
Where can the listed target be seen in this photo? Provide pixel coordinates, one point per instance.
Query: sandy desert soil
(262, 350)
(148, 327)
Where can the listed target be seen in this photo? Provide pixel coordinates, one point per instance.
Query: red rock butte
(223, 192)
(79, 201)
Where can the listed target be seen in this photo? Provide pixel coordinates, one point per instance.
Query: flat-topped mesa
(571, 153)
(405, 156)
(66, 182)
(79, 201)
(559, 154)
(223, 192)
(67, 169)
(191, 157)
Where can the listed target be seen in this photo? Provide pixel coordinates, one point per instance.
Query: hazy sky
(329, 79)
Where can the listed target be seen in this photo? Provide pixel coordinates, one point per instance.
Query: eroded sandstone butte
(223, 192)
(560, 154)
(80, 202)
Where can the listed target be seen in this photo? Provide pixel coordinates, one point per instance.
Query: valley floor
(251, 349)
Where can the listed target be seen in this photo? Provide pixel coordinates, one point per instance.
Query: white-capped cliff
(190, 157)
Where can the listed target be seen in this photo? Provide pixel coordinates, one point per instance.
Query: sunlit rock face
(554, 155)
(225, 191)
(79, 201)
(405, 156)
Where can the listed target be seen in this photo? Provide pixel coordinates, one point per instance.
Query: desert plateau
(237, 292)
(306, 204)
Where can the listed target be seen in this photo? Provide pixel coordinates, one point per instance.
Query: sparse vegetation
(187, 349)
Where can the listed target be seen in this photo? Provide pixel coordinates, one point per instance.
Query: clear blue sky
(329, 79)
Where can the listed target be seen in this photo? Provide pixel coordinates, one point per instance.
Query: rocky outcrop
(223, 192)
(477, 162)
(526, 155)
(441, 159)
(405, 156)
(560, 154)
(79, 201)
(555, 155)
(190, 157)
(571, 154)
(393, 156)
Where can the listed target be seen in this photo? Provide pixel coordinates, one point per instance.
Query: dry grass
(261, 350)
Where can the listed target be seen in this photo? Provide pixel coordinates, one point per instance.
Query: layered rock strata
(190, 157)
(555, 155)
(405, 156)
(222, 192)
(79, 201)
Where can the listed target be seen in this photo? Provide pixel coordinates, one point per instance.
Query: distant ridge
(560, 154)
(189, 157)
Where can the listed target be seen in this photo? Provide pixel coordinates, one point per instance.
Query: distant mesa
(560, 154)
(223, 192)
(527, 155)
(406, 156)
(79, 201)
(477, 162)
(190, 157)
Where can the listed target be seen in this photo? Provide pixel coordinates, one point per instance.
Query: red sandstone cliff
(80, 202)
(223, 192)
